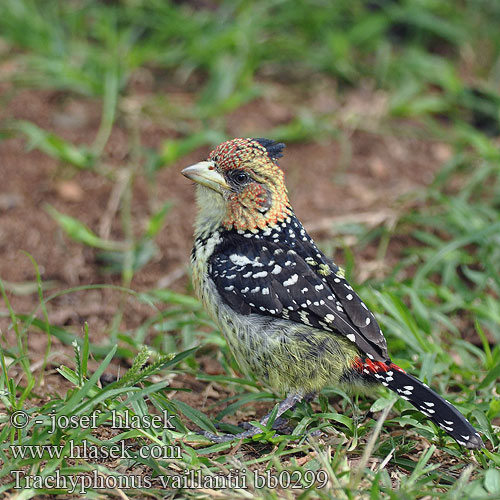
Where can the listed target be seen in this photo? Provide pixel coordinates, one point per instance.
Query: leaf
(493, 375)
(79, 232)
(155, 222)
(115, 261)
(197, 417)
(382, 403)
(494, 457)
(80, 395)
(492, 481)
(342, 419)
(54, 145)
(178, 358)
(170, 297)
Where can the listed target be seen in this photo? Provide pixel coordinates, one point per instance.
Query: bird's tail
(422, 397)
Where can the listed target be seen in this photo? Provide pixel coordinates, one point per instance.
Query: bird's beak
(204, 173)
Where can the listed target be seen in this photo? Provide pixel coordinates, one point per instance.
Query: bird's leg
(289, 402)
(280, 423)
(310, 396)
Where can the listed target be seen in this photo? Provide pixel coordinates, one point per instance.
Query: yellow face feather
(260, 201)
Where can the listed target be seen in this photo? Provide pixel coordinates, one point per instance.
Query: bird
(286, 310)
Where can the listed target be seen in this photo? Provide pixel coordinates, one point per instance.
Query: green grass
(438, 64)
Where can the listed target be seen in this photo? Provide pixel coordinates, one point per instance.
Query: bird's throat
(252, 218)
(239, 213)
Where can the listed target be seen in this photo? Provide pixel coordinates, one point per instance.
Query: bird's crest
(274, 149)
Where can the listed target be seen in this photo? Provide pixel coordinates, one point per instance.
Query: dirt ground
(356, 178)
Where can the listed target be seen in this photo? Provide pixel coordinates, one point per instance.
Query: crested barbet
(286, 310)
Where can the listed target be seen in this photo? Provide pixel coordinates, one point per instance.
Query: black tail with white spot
(433, 406)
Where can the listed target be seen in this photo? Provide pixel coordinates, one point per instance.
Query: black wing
(268, 277)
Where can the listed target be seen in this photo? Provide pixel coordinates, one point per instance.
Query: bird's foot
(281, 425)
(290, 401)
(224, 438)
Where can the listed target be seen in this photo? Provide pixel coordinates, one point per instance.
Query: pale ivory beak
(204, 173)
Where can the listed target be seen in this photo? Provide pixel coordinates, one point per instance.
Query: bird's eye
(240, 177)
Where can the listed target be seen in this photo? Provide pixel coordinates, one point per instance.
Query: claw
(224, 438)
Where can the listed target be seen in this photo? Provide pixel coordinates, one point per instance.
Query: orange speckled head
(258, 196)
